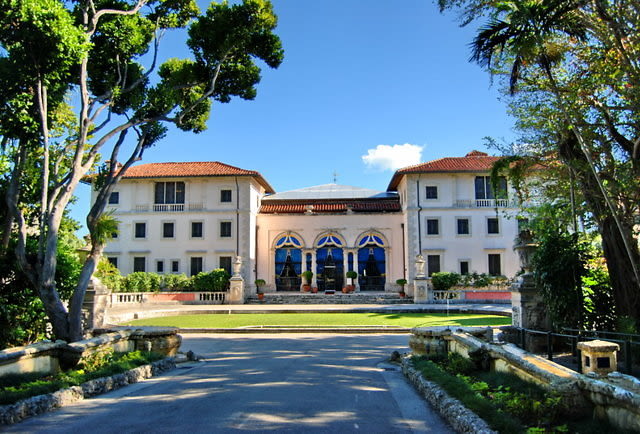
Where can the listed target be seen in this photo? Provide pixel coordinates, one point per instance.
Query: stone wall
(615, 397)
(51, 357)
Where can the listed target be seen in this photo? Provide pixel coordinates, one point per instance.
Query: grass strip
(14, 388)
(458, 389)
(236, 320)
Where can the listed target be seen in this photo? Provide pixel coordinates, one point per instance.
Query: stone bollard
(599, 357)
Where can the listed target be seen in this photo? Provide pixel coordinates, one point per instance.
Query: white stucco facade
(190, 217)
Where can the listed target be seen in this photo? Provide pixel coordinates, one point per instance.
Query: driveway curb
(13, 413)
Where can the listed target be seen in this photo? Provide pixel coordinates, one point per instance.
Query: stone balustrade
(615, 397)
(121, 299)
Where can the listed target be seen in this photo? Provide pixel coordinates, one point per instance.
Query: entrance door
(288, 269)
(371, 268)
(330, 268)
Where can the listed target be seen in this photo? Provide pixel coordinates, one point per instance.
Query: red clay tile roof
(318, 207)
(192, 169)
(474, 161)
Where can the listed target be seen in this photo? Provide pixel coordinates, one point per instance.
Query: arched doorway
(288, 263)
(329, 263)
(371, 263)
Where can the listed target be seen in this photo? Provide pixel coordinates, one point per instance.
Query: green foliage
(506, 402)
(141, 281)
(559, 265)
(352, 274)
(401, 282)
(442, 281)
(599, 304)
(176, 282)
(17, 387)
(22, 316)
(307, 275)
(460, 389)
(215, 280)
(97, 359)
(109, 275)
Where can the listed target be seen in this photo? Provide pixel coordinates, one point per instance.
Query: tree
(573, 82)
(93, 50)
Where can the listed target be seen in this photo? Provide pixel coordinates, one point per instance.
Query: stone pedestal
(94, 305)
(421, 290)
(528, 307)
(599, 357)
(236, 290)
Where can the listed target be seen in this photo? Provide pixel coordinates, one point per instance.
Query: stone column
(355, 268)
(314, 282)
(236, 284)
(420, 284)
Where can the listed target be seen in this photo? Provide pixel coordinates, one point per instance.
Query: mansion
(193, 217)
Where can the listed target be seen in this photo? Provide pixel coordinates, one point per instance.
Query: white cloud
(387, 157)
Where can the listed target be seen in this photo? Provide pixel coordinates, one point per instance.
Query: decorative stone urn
(525, 248)
(237, 266)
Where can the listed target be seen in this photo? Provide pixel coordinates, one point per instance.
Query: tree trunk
(625, 286)
(76, 329)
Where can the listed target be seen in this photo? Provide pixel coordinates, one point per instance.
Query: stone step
(336, 298)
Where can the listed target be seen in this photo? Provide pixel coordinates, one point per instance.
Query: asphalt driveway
(294, 383)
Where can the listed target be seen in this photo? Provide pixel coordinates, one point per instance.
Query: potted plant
(401, 282)
(351, 277)
(307, 276)
(259, 284)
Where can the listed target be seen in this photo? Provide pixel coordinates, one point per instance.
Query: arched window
(288, 262)
(371, 262)
(329, 262)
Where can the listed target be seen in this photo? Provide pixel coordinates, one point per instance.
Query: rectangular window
(139, 263)
(113, 260)
(523, 224)
(169, 192)
(114, 198)
(168, 230)
(225, 263)
(464, 267)
(463, 226)
(141, 230)
(484, 189)
(196, 265)
(432, 191)
(114, 234)
(225, 229)
(494, 264)
(493, 225)
(160, 266)
(433, 264)
(196, 229)
(175, 266)
(225, 195)
(433, 227)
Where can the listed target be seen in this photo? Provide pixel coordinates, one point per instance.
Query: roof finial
(335, 177)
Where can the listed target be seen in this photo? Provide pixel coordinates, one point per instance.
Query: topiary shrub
(443, 280)
(215, 280)
(176, 282)
(141, 281)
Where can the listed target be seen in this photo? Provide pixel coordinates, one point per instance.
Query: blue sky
(357, 74)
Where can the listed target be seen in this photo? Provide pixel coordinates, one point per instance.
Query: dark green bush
(176, 282)
(215, 280)
(443, 280)
(141, 282)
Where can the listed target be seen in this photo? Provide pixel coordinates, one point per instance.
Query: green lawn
(323, 319)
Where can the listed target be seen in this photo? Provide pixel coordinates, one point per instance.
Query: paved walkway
(155, 310)
(251, 383)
